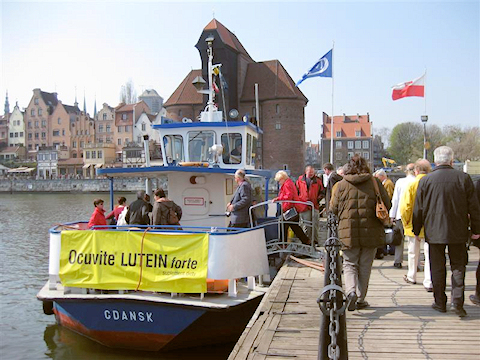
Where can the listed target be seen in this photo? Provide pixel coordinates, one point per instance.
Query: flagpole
(331, 127)
(425, 90)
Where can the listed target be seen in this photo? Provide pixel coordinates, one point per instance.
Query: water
(25, 332)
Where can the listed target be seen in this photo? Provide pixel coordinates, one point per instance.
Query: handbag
(381, 211)
(290, 214)
(397, 239)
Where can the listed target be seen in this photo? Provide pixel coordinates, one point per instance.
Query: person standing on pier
(310, 188)
(360, 231)
(422, 168)
(444, 202)
(395, 215)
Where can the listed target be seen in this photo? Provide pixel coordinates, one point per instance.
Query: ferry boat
(152, 288)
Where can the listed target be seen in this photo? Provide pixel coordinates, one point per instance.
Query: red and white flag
(410, 88)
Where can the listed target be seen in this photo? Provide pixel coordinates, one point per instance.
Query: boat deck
(400, 324)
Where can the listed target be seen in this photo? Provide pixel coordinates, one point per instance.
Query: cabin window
(254, 149)
(199, 143)
(232, 148)
(173, 148)
(249, 149)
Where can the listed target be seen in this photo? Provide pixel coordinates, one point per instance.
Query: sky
(92, 48)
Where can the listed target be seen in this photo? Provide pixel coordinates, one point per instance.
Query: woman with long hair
(359, 229)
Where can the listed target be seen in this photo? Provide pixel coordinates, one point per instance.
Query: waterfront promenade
(399, 324)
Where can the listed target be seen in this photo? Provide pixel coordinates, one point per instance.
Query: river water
(25, 332)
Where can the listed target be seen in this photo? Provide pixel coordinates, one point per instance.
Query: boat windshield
(173, 148)
(232, 148)
(199, 143)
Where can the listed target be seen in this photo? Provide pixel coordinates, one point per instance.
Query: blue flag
(322, 68)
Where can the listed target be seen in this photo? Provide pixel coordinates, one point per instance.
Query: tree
(466, 144)
(406, 143)
(128, 95)
(435, 138)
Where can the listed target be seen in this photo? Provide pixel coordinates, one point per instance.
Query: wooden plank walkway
(400, 324)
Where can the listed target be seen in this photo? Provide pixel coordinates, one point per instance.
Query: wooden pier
(399, 324)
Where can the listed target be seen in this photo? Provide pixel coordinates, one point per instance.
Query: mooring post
(332, 300)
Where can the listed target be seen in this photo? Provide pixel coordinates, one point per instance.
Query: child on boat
(98, 215)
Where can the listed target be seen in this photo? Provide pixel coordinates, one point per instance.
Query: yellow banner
(117, 260)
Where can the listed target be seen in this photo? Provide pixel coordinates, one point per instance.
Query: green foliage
(406, 143)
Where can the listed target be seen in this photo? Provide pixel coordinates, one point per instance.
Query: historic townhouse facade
(16, 128)
(105, 125)
(126, 115)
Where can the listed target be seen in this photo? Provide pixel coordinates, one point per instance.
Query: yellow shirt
(406, 206)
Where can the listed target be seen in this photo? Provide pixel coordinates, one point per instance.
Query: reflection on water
(25, 332)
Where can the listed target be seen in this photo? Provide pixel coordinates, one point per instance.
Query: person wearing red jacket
(310, 188)
(98, 216)
(288, 191)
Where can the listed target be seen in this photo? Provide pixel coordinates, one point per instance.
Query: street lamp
(424, 119)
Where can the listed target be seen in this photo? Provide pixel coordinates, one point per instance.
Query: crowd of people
(435, 211)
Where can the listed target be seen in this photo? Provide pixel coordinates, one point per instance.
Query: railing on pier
(277, 240)
(332, 300)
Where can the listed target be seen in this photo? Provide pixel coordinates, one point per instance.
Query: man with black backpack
(165, 211)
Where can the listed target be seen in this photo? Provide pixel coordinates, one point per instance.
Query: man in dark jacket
(332, 178)
(445, 199)
(310, 188)
(241, 202)
(137, 213)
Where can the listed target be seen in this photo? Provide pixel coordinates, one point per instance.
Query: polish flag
(410, 88)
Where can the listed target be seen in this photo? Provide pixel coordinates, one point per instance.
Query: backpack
(172, 217)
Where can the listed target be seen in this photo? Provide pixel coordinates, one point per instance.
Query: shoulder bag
(380, 209)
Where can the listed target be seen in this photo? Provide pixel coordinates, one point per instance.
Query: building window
(108, 129)
(119, 142)
(278, 126)
(32, 112)
(56, 132)
(44, 135)
(87, 154)
(124, 116)
(350, 155)
(39, 112)
(11, 134)
(36, 123)
(180, 113)
(94, 154)
(139, 139)
(339, 134)
(29, 124)
(126, 141)
(277, 109)
(366, 155)
(74, 144)
(29, 136)
(74, 155)
(35, 101)
(338, 156)
(21, 133)
(82, 144)
(144, 127)
(350, 144)
(100, 128)
(365, 144)
(119, 129)
(100, 154)
(63, 132)
(338, 144)
(59, 121)
(36, 135)
(358, 133)
(29, 145)
(127, 128)
(44, 123)
(104, 116)
(358, 144)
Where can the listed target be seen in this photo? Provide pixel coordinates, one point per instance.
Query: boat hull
(153, 326)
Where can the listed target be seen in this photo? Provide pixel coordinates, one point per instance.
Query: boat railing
(277, 241)
(232, 253)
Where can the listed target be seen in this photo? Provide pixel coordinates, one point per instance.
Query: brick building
(352, 135)
(281, 103)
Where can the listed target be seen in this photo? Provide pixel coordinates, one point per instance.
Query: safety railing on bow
(332, 300)
(277, 240)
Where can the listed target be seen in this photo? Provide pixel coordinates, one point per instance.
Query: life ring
(194, 163)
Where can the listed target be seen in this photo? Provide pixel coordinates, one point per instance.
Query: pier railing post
(332, 300)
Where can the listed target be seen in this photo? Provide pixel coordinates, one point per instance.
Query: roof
(273, 82)
(49, 98)
(10, 149)
(227, 37)
(124, 107)
(71, 109)
(71, 161)
(186, 93)
(348, 125)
